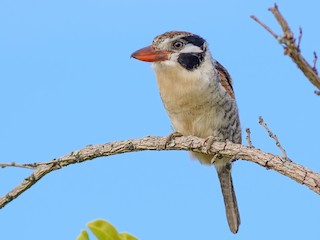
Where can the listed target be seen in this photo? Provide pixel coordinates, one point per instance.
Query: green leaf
(83, 235)
(127, 236)
(103, 230)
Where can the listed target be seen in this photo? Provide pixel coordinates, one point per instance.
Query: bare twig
(315, 58)
(283, 23)
(280, 164)
(264, 26)
(290, 47)
(13, 164)
(299, 38)
(274, 136)
(248, 137)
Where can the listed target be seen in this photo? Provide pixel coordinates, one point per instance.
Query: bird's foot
(208, 142)
(171, 137)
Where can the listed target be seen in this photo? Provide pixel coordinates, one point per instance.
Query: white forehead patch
(191, 48)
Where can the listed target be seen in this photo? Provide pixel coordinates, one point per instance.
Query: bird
(197, 93)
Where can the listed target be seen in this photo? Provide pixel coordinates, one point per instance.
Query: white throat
(185, 93)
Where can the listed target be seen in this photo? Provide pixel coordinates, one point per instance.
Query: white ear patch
(191, 48)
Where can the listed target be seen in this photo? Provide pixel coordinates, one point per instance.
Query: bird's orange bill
(148, 54)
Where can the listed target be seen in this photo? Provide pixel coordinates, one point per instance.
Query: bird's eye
(178, 45)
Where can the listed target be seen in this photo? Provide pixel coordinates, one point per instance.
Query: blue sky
(67, 81)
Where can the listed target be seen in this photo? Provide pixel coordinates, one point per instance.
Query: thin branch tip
(299, 38)
(317, 92)
(315, 59)
(248, 137)
(275, 7)
(274, 137)
(264, 26)
(14, 164)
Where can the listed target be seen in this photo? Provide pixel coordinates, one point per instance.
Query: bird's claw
(171, 137)
(208, 142)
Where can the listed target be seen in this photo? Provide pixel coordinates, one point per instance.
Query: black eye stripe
(195, 40)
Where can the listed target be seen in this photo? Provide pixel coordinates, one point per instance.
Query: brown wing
(225, 79)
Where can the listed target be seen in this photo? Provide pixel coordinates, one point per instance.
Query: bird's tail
(229, 196)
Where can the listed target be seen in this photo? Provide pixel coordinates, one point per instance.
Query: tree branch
(291, 48)
(270, 161)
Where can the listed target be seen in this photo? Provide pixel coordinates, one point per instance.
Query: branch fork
(292, 49)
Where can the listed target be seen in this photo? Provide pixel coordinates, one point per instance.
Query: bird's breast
(191, 100)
